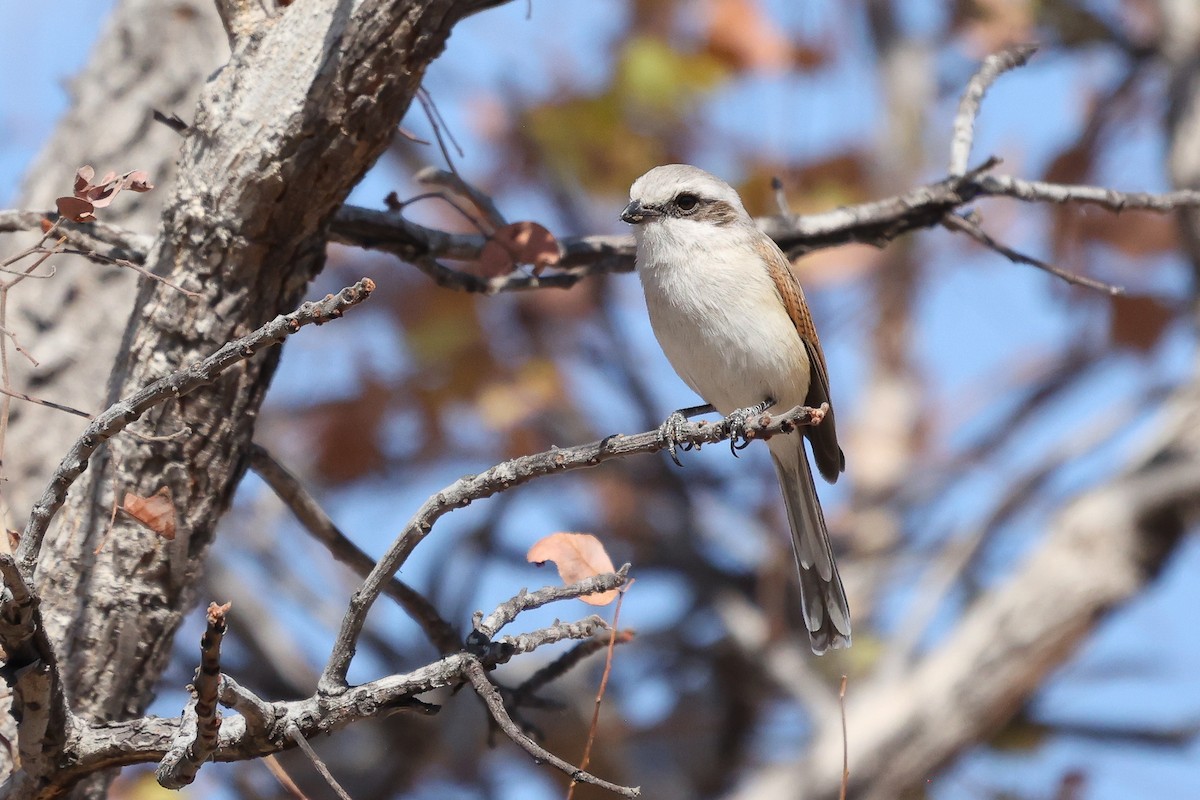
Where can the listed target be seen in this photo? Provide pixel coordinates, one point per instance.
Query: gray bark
(281, 134)
(150, 55)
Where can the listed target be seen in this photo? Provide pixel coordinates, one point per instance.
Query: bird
(732, 320)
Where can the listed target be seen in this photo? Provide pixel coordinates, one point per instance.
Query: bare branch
(264, 728)
(507, 611)
(177, 384)
(257, 713)
(314, 519)
(296, 736)
(993, 67)
(31, 671)
(93, 237)
(432, 176)
(505, 476)
(201, 722)
(495, 703)
(965, 225)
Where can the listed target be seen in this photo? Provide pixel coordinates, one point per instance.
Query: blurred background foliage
(977, 398)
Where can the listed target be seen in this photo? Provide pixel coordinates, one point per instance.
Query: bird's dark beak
(635, 213)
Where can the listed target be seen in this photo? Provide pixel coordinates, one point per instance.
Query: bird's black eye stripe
(687, 202)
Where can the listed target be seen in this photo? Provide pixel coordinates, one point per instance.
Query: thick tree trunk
(309, 99)
(150, 55)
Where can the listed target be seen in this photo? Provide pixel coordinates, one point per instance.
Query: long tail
(823, 600)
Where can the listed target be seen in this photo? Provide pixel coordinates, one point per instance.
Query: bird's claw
(671, 432)
(735, 424)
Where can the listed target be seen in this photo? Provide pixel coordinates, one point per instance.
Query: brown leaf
(741, 34)
(156, 512)
(577, 556)
(75, 209)
(518, 243)
(137, 181)
(102, 192)
(1139, 321)
(83, 179)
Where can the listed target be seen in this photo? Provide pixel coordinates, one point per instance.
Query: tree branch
(265, 727)
(177, 384)
(495, 704)
(505, 476)
(314, 519)
(201, 721)
(993, 67)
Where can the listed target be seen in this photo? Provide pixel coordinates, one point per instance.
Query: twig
(17, 346)
(201, 721)
(128, 264)
(565, 663)
(448, 200)
(608, 659)
(432, 176)
(845, 743)
(276, 769)
(47, 403)
(993, 67)
(955, 222)
(495, 703)
(781, 201)
(309, 514)
(507, 611)
(296, 736)
(436, 122)
(177, 384)
(257, 713)
(500, 478)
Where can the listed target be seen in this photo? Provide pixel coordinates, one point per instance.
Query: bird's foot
(735, 424)
(671, 432)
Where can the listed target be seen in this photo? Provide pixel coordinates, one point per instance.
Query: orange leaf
(577, 556)
(741, 35)
(156, 512)
(519, 243)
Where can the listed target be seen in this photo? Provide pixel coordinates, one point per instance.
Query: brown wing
(826, 452)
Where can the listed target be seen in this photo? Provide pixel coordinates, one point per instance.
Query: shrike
(732, 320)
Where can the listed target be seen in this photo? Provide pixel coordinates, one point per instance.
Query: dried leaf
(156, 512)
(75, 209)
(518, 243)
(577, 556)
(101, 193)
(1139, 321)
(137, 181)
(741, 35)
(83, 179)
